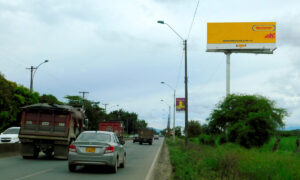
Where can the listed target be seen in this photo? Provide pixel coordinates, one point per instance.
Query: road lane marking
(153, 163)
(34, 174)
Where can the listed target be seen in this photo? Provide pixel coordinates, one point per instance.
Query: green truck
(49, 128)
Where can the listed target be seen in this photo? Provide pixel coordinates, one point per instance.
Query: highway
(139, 160)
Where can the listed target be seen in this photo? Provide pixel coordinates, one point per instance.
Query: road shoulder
(163, 167)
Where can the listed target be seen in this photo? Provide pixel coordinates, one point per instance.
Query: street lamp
(174, 109)
(168, 125)
(185, 81)
(32, 73)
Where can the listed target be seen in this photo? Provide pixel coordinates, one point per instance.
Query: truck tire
(49, 152)
(72, 167)
(150, 143)
(36, 153)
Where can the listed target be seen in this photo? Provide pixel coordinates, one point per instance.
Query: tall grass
(231, 161)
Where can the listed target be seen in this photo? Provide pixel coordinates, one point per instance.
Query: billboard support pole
(228, 72)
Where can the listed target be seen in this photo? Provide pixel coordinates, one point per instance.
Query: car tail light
(109, 149)
(72, 148)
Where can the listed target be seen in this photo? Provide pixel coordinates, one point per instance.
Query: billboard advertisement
(180, 104)
(241, 36)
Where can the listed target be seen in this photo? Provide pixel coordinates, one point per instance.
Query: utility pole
(186, 95)
(83, 94)
(83, 98)
(168, 126)
(174, 116)
(185, 81)
(31, 77)
(32, 73)
(105, 105)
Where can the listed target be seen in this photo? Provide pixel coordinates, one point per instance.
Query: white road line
(153, 163)
(34, 174)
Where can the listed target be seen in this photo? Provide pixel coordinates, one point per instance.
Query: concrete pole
(31, 78)
(174, 115)
(186, 95)
(228, 73)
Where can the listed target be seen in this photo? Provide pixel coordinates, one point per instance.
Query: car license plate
(90, 149)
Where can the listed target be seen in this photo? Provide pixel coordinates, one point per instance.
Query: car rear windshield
(11, 131)
(93, 137)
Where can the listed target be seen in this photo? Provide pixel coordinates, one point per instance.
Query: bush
(249, 120)
(194, 128)
(207, 139)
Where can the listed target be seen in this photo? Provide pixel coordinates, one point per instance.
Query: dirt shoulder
(163, 168)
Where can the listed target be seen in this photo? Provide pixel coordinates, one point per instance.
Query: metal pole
(227, 73)
(186, 94)
(174, 115)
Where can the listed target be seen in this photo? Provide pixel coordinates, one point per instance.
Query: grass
(231, 161)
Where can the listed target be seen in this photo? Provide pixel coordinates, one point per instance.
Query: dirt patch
(163, 168)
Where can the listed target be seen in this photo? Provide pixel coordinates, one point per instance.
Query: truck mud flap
(61, 151)
(27, 149)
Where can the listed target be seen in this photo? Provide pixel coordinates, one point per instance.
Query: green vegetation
(232, 161)
(14, 96)
(194, 129)
(248, 120)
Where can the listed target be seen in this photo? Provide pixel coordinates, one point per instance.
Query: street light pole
(169, 116)
(174, 110)
(32, 73)
(185, 81)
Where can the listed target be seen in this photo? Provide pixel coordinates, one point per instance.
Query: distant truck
(113, 126)
(49, 128)
(145, 136)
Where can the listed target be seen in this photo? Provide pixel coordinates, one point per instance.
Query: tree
(49, 98)
(130, 120)
(194, 128)
(249, 120)
(93, 112)
(178, 131)
(12, 98)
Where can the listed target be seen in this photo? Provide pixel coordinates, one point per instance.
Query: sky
(118, 52)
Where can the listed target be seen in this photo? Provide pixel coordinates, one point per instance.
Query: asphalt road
(138, 162)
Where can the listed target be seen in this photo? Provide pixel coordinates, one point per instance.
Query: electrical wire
(193, 20)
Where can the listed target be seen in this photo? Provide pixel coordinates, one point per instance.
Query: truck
(113, 126)
(145, 136)
(50, 128)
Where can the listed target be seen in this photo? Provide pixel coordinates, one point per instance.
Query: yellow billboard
(241, 35)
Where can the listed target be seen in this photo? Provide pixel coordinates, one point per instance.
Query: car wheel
(141, 143)
(114, 169)
(72, 167)
(123, 163)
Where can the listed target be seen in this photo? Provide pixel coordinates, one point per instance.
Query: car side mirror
(122, 142)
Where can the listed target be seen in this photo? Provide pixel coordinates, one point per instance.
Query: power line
(193, 20)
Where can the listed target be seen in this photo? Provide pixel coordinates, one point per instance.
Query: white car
(10, 135)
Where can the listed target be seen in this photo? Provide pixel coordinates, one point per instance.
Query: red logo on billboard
(180, 104)
(270, 36)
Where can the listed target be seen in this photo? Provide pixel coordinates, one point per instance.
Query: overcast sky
(117, 52)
